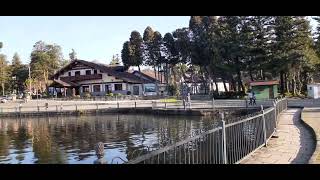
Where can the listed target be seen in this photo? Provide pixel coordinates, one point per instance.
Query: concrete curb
(315, 158)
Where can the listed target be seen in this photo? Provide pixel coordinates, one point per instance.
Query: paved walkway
(294, 144)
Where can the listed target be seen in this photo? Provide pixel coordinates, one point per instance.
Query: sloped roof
(64, 83)
(116, 71)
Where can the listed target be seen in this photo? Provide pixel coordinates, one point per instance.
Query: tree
(136, 49)
(132, 51)
(148, 38)
(3, 72)
(126, 55)
(170, 55)
(294, 55)
(115, 60)
(73, 55)
(19, 71)
(45, 60)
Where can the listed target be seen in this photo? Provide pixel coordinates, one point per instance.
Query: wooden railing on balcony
(82, 77)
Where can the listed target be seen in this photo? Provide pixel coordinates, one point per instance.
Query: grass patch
(170, 100)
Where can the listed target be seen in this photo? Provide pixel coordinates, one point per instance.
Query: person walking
(254, 98)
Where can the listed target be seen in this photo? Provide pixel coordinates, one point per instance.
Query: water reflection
(65, 140)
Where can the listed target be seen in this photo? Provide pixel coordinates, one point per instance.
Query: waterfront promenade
(293, 143)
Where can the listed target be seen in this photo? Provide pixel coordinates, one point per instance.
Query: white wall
(313, 91)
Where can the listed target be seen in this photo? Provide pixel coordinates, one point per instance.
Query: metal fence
(197, 104)
(224, 144)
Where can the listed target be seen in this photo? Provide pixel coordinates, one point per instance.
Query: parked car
(4, 99)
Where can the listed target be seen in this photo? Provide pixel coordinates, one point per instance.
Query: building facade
(80, 77)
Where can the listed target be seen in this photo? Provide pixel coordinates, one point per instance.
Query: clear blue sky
(92, 37)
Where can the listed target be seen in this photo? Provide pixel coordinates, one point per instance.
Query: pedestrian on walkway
(254, 98)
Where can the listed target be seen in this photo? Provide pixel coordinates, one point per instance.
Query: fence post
(224, 145)
(38, 108)
(61, 107)
(246, 103)
(165, 104)
(135, 104)
(76, 107)
(118, 105)
(275, 113)
(212, 103)
(264, 127)
(57, 108)
(184, 104)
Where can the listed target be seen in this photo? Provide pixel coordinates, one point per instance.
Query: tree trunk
(217, 90)
(286, 83)
(233, 83)
(241, 86)
(281, 83)
(2, 84)
(224, 85)
(250, 73)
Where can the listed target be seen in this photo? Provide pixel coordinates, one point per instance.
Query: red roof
(263, 83)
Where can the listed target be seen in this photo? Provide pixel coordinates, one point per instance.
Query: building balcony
(82, 77)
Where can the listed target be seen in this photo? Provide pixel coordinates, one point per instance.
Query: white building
(314, 90)
(81, 76)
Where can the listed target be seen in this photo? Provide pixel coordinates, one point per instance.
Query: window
(96, 88)
(69, 73)
(95, 72)
(118, 87)
(106, 88)
(77, 73)
(88, 72)
(85, 89)
(150, 88)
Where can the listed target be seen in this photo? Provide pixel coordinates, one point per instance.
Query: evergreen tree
(136, 48)
(20, 72)
(126, 55)
(115, 60)
(4, 75)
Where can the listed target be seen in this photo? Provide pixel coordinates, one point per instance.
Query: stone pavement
(294, 143)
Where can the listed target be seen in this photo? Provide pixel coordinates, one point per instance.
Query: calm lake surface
(71, 140)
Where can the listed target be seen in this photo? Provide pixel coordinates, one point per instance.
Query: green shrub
(288, 94)
(109, 94)
(87, 95)
(174, 90)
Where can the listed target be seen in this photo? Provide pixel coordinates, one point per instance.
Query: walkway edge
(315, 158)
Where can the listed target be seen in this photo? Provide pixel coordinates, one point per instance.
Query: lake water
(71, 140)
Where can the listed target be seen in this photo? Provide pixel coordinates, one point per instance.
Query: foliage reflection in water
(71, 140)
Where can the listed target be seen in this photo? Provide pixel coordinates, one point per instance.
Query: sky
(92, 37)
